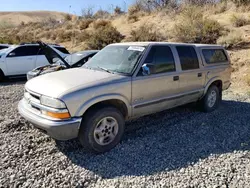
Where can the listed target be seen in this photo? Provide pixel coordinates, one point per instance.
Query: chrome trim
(28, 107)
(46, 108)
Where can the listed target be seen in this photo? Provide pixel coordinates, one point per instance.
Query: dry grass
(192, 27)
(239, 21)
(230, 40)
(146, 33)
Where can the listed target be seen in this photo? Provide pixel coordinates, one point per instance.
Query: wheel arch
(215, 81)
(116, 101)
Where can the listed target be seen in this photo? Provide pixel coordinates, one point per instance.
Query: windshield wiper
(106, 70)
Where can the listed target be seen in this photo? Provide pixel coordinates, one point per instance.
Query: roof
(167, 43)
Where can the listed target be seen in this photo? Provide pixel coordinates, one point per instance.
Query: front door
(20, 60)
(153, 92)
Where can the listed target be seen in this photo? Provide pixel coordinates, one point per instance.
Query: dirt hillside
(32, 16)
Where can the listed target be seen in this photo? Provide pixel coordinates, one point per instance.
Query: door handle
(176, 78)
(199, 74)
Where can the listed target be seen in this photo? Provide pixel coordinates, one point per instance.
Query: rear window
(214, 56)
(61, 49)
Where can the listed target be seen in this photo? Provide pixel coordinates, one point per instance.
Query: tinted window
(3, 47)
(63, 50)
(214, 56)
(24, 51)
(162, 58)
(188, 57)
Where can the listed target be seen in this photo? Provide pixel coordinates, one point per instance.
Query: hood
(58, 83)
(51, 53)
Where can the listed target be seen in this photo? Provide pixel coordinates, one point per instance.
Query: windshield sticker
(136, 48)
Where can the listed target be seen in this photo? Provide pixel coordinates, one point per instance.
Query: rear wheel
(1, 76)
(101, 130)
(211, 100)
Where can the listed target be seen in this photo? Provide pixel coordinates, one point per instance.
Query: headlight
(51, 102)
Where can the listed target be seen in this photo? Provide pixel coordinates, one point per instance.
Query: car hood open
(59, 83)
(51, 53)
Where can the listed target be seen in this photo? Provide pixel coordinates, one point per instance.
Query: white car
(17, 60)
(4, 46)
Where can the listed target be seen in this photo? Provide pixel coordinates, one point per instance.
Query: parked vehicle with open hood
(58, 63)
(17, 60)
(121, 82)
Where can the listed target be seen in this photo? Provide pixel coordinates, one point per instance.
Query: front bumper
(57, 129)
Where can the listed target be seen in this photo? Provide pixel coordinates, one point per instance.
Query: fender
(84, 107)
(216, 78)
(3, 66)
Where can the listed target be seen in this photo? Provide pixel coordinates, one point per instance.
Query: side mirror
(148, 69)
(11, 54)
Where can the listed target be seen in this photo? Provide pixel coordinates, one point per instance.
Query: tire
(211, 100)
(97, 135)
(1, 76)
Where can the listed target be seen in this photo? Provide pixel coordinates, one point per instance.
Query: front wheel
(211, 100)
(101, 130)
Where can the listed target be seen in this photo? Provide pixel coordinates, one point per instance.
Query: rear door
(155, 92)
(21, 60)
(192, 77)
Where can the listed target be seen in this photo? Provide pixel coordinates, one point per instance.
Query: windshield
(3, 51)
(121, 59)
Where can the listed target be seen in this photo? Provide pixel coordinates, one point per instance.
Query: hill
(222, 23)
(29, 16)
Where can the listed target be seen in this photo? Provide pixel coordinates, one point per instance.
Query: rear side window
(214, 56)
(162, 58)
(61, 49)
(188, 57)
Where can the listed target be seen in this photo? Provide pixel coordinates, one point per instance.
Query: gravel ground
(176, 148)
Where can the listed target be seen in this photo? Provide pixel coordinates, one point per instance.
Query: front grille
(35, 96)
(33, 100)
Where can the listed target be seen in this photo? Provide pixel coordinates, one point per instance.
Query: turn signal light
(58, 115)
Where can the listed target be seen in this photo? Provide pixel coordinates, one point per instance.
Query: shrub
(193, 28)
(239, 21)
(82, 36)
(84, 24)
(230, 40)
(133, 18)
(69, 26)
(101, 23)
(87, 12)
(118, 10)
(145, 33)
(63, 36)
(220, 8)
(241, 2)
(67, 17)
(103, 36)
(101, 14)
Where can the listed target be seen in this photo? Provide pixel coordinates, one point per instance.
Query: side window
(188, 57)
(3, 47)
(214, 56)
(24, 51)
(162, 59)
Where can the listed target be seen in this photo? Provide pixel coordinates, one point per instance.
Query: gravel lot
(176, 148)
